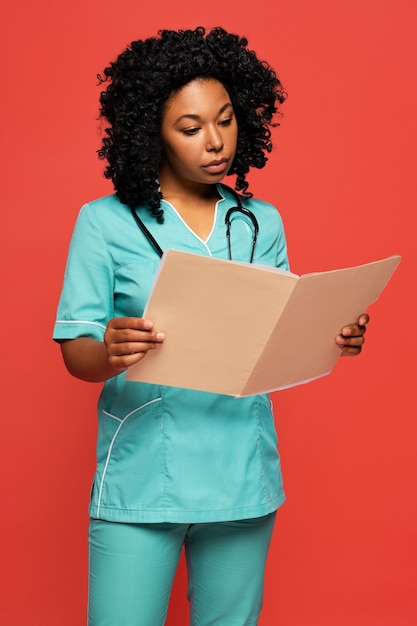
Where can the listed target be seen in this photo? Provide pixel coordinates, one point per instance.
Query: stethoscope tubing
(228, 221)
(146, 232)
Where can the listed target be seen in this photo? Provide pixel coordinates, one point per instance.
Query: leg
(132, 567)
(226, 563)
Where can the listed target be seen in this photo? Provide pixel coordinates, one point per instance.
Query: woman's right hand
(128, 339)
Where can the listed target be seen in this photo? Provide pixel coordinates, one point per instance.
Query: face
(199, 134)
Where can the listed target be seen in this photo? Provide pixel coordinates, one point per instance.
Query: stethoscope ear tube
(147, 232)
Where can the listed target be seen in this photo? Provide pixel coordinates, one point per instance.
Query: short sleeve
(281, 248)
(86, 301)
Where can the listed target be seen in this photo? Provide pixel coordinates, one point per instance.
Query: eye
(226, 122)
(190, 131)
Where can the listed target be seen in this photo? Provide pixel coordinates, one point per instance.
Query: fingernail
(160, 336)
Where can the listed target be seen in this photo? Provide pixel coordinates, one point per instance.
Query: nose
(214, 140)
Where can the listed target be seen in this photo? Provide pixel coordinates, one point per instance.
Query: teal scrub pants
(132, 567)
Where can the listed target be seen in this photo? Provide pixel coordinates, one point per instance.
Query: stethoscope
(239, 208)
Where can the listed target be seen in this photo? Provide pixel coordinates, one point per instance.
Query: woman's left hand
(351, 338)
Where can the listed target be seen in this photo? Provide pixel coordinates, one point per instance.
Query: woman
(174, 467)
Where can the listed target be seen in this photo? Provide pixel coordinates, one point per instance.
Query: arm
(126, 341)
(351, 338)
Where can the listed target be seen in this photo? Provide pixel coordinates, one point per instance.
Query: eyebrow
(198, 117)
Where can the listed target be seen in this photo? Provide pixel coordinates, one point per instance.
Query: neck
(172, 187)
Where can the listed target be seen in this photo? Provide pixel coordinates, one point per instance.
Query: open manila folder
(240, 329)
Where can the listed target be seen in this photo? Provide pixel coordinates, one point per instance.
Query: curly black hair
(148, 72)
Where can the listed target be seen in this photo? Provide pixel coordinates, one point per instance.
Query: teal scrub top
(166, 454)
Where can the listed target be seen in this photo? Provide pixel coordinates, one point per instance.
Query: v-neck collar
(193, 233)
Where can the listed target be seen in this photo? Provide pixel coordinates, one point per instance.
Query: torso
(163, 452)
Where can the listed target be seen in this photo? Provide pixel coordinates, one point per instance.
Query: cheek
(174, 153)
(188, 153)
(234, 136)
(185, 158)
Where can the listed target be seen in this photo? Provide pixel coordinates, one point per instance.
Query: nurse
(175, 467)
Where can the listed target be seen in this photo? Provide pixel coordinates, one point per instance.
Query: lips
(216, 166)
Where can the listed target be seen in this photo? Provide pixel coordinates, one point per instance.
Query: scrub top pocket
(129, 449)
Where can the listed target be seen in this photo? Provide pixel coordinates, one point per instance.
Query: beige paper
(240, 329)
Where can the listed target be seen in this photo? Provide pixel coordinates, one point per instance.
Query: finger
(122, 356)
(137, 342)
(135, 323)
(126, 360)
(129, 336)
(132, 347)
(354, 330)
(351, 351)
(363, 320)
(131, 329)
(345, 342)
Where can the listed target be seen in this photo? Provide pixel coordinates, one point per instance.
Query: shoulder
(105, 204)
(100, 221)
(268, 216)
(106, 214)
(264, 212)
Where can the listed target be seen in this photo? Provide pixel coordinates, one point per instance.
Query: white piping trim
(111, 447)
(119, 419)
(80, 322)
(204, 242)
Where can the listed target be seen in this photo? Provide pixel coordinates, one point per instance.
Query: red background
(343, 177)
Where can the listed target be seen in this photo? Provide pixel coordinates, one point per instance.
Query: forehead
(196, 97)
